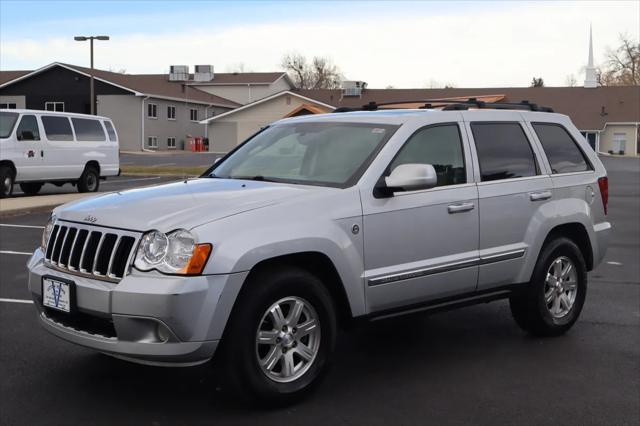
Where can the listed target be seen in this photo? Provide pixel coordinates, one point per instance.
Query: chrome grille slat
(113, 254)
(114, 250)
(95, 257)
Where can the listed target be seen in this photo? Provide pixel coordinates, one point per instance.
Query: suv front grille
(101, 253)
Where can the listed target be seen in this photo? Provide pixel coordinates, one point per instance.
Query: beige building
(229, 129)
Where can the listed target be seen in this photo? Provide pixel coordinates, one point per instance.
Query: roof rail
(451, 105)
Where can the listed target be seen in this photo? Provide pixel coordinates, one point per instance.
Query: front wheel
(89, 180)
(551, 303)
(6, 181)
(280, 337)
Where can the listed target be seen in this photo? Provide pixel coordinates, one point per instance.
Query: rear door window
(561, 149)
(110, 131)
(28, 129)
(57, 128)
(88, 129)
(504, 152)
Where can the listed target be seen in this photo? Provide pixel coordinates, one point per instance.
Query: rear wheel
(6, 181)
(89, 180)
(280, 337)
(31, 188)
(551, 303)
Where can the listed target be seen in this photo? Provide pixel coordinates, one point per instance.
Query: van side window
(57, 128)
(504, 152)
(440, 146)
(28, 129)
(88, 129)
(562, 151)
(110, 131)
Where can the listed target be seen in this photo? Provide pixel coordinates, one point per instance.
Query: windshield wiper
(257, 177)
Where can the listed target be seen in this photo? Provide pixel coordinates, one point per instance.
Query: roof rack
(451, 105)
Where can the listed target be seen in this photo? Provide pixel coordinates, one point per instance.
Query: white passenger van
(37, 147)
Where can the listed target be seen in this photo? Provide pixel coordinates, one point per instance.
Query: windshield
(328, 154)
(7, 121)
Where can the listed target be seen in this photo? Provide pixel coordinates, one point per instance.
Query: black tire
(528, 306)
(89, 180)
(7, 178)
(239, 353)
(31, 188)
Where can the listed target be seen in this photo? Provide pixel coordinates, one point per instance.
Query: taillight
(603, 183)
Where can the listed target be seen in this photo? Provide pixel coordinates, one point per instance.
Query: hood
(183, 204)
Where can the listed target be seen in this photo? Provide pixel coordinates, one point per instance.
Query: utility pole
(92, 95)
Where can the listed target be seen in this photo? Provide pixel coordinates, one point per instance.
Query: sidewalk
(10, 206)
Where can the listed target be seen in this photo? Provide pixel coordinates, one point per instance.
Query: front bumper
(146, 317)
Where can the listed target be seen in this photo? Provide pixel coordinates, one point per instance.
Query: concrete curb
(20, 205)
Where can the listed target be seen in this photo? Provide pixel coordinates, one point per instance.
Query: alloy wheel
(561, 287)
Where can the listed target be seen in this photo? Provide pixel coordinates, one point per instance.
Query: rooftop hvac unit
(179, 73)
(353, 88)
(203, 73)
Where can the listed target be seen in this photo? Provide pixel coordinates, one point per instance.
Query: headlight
(46, 234)
(173, 253)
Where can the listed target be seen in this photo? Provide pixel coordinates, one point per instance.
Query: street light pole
(92, 98)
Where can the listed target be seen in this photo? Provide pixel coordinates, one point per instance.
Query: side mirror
(26, 135)
(410, 177)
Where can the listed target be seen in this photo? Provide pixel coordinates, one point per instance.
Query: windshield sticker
(377, 130)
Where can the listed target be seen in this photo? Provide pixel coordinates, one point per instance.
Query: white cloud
(505, 45)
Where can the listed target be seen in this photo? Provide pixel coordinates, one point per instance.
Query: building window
(54, 106)
(171, 112)
(8, 106)
(171, 143)
(592, 138)
(152, 142)
(619, 143)
(193, 114)
(152, 111)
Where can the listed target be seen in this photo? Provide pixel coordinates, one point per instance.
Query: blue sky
(404, 44)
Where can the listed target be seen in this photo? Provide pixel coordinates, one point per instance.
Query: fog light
(163, 334)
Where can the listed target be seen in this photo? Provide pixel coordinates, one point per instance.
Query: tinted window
(110, 131)
(88, 129)
(7, 121)
(562, 151)
(57, 128)
(504, 151)
(28, 124)
(440, 146)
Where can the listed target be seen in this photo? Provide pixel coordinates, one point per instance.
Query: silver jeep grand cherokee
(320, 219)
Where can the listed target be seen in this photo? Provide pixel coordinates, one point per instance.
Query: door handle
(459, 208)
(539, 196)
(41, 153)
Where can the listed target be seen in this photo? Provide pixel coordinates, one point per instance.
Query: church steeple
(590, 80)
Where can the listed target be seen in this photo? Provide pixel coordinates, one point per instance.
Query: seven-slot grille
(101, 253)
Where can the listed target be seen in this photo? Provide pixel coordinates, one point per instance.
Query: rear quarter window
(563, 153)
(88, 129)
(57, 128)
(110, 131)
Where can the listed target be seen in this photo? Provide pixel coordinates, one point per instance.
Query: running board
(444, 304)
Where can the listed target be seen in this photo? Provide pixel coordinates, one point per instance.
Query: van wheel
(89, 181)
(6, 181)
(280, 336)
(31, 188)
(551, 303)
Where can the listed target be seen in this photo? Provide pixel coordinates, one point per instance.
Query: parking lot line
(24, 253)
(10, 225)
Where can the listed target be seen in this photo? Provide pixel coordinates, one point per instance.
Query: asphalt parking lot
(471, 366)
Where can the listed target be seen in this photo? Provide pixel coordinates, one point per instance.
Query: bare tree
(537, 82)
(622, 65)
(571, 80)
(320, 73)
